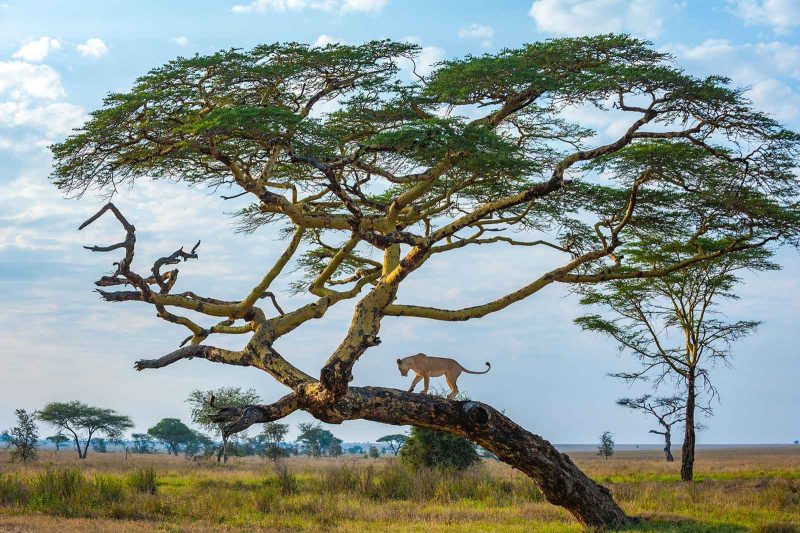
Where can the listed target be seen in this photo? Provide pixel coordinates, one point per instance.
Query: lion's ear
(398, 360)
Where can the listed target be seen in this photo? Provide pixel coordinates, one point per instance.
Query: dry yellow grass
(736, 490)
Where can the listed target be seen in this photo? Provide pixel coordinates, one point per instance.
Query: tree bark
(560, 480)
(687, 452)
(668, 446)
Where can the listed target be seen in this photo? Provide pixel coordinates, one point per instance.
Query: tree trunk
(86, 446)
(687, 452)
(224, 449)
(560, 480)
(668, 446)
(78, 447)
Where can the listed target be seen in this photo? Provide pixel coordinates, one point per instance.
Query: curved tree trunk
(560, 480)
(687, 452)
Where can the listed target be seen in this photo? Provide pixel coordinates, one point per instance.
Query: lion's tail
(488, 367)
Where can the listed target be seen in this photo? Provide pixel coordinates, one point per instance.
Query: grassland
(736, 490)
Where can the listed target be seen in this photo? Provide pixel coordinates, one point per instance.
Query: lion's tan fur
(426, 367)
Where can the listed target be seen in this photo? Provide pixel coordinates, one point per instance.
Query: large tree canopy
(416, 167)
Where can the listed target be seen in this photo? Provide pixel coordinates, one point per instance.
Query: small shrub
(12, 490)
(287, 483)
(436, 449)
(143, 480)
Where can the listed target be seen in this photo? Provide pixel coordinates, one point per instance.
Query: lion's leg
(414, 383)
(427, 381)
(451, 382)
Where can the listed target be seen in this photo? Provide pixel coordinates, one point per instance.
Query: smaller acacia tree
(24, 437)
(667, 411)
(99, 445)
(672, 326)
(395, 441)
(142, 443)
(84, 422)
(273, 434)
(172, 433)
(206, 404)
(316, 440)
(58, 440)
(606, 447)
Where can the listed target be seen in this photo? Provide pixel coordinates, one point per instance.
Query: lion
(426, 367)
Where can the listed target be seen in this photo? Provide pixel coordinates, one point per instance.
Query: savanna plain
(735, 489)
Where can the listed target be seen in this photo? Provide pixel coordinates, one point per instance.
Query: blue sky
(59, 342)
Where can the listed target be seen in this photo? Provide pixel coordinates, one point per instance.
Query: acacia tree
(395, 441)
(672, 325)
(667, 411)
(272, 435)
(606, 446)
(84, 422)
(204, 407)
(58, 440)
(415, 169)
(172, 433)
(316, 440)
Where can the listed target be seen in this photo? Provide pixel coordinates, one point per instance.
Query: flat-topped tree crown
(350, 153)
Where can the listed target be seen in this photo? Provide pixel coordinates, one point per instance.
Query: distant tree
(274, 433)
(672, 326)
(198, 444)
(206, 404)
(335, 447)
(374, 452)
(172, 433)
(99, 445)
(315, 439)
(58, 440)
(355, 450)
(606, 447)
(435, 449)
(143, 443)
(667, 411)
(24, 437)
(395, 441)
(84, 422)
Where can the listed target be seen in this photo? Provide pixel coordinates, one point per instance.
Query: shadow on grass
(681, 524)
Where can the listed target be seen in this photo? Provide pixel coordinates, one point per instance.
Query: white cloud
(478, 31)
(324, 40)
(781, 15)
(425, 62)
(54, 119)
(363, 5)
(22, 80)
(29, 99)
(343, 6)
(93, 47)
(38, 49)
(180, 41)
(776, 98)
(760, 66)
(592, 17)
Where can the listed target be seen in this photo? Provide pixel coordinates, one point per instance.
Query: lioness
(426, 367)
